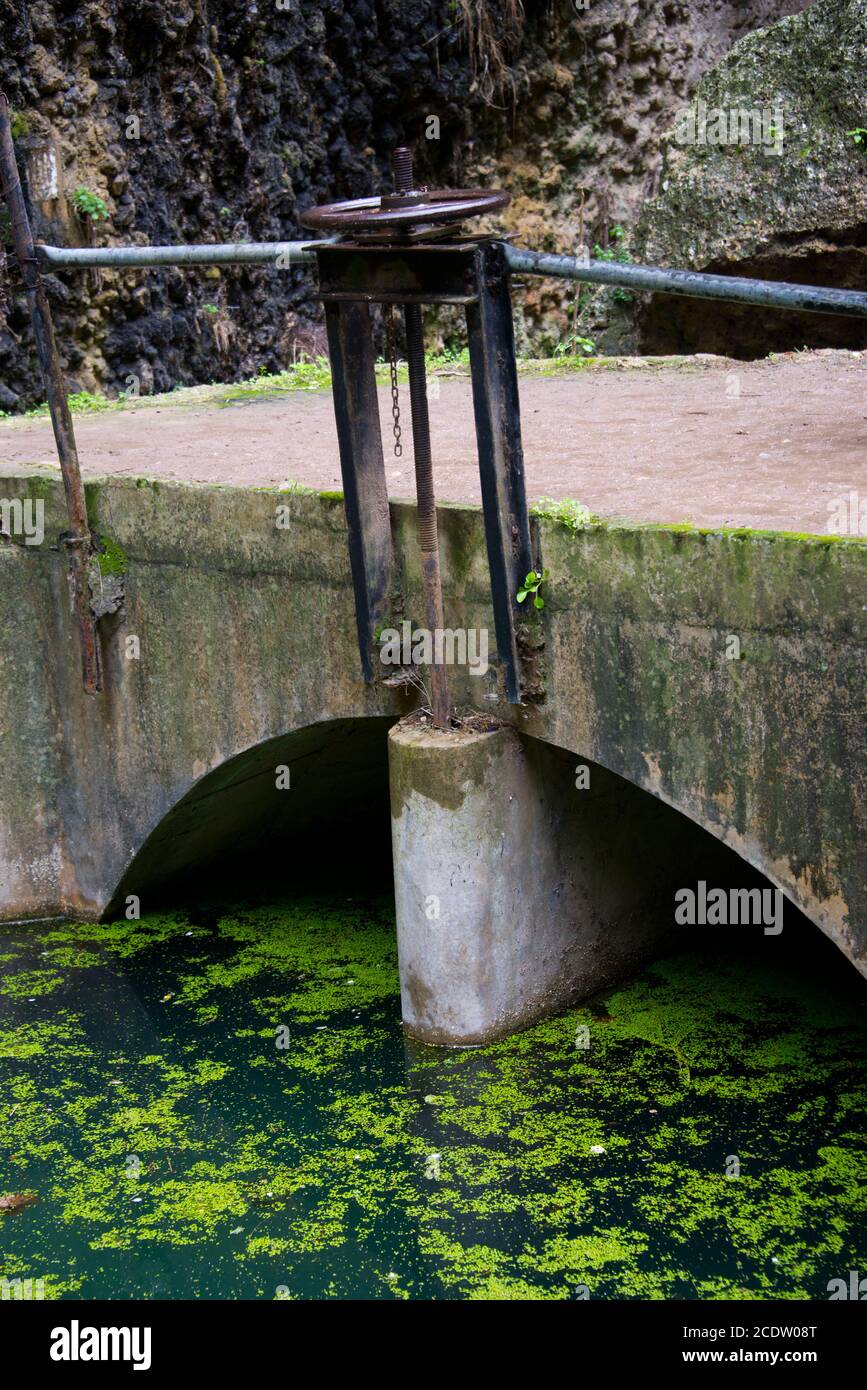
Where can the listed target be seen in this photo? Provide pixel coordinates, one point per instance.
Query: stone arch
(807, 883)
(338, 778)
(544, 891)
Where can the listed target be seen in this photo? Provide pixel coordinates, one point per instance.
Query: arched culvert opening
(631, 861)
(300, 810)
(310, 811)
(638, 852)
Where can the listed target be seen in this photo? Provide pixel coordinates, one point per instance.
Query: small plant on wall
(89, 205)
(531, 586)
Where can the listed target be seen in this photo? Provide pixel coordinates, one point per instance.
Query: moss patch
(230, 1099)
(111, 558)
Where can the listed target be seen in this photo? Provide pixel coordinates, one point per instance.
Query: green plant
(612, 253)
(574, 343)
(531, 586)
(617, 253)
(211, 308)
(90, 205)
(858, 135)
(567, 511)
(302, 376)
(20, 124)
(449, 357)
(80, 403)
(111, 557)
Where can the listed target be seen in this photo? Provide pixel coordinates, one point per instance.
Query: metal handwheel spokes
(402, 211)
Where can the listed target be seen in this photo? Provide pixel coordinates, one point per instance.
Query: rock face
(204, 120)
(598, 88)
(786, 198)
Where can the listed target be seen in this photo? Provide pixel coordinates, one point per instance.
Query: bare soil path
(763, 444)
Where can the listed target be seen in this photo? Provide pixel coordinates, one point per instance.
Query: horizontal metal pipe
(280, 254)
(814, 299)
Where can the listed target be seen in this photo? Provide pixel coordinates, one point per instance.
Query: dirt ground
(714, 442)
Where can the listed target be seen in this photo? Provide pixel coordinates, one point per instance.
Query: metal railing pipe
(814, 299)
(280, 254)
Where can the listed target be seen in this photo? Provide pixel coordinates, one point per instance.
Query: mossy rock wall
(787, 203)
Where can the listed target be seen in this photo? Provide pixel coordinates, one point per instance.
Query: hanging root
(492, 29)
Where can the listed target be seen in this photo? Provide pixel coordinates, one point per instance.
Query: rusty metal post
(79, 542)
(501, 458)
(424, 485)
(365, 494)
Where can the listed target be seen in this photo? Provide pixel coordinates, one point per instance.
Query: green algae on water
(225, 1105)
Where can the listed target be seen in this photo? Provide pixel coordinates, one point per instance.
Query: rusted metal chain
(79, 542)
(424, 485)
(391, 348)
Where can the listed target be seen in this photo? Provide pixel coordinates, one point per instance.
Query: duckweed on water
(227, 1107)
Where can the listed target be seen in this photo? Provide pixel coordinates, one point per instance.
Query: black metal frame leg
(501, 458)
(350, 344)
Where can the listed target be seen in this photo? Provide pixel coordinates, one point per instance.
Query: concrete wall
(247, 635)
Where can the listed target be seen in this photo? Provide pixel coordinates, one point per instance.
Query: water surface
(223, 1105)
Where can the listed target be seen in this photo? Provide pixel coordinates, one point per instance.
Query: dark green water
(177, 1151)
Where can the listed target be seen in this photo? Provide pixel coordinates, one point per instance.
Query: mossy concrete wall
(725, 673)
(247, 634)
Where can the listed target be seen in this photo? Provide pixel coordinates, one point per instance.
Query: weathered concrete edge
(634, 627)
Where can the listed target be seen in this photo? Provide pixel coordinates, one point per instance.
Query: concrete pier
(521, 884)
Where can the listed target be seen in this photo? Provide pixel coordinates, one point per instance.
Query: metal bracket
(473, 274)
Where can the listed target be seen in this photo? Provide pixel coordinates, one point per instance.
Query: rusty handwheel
(403, 210)
(407, 212)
